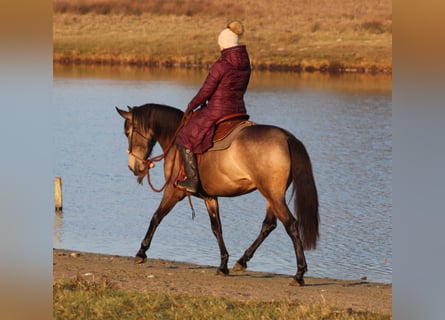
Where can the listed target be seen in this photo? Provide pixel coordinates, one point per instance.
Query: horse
(261, 157)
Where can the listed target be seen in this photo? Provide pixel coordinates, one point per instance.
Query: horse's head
(140, 140)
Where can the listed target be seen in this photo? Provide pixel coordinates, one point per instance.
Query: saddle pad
(226, 124)
(225, 141)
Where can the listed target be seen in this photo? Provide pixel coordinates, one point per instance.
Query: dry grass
(82, 299)
(138, 7)
(293, 34)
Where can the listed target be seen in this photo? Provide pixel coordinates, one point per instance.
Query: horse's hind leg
(213, 210)
(292, 230)
(269, 224)
(169, 199)
(283, 213)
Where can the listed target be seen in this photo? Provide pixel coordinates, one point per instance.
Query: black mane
(162, 119)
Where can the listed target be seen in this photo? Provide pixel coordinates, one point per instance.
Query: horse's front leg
(170, 198)
(213, 209)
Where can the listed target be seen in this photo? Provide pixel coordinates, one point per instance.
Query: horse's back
(262, 136)
(258, 153)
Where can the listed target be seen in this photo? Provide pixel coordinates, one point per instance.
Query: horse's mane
(162, 119)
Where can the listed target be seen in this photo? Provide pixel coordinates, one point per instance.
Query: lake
(343, 120)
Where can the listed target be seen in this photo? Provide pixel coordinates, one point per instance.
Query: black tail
(304, 193)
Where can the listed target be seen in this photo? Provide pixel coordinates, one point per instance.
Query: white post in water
(58, 193)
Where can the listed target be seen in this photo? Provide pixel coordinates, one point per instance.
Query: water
(344, 121)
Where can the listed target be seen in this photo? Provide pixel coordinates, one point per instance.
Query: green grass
(81, 299)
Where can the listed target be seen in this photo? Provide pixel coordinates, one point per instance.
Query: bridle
(130, 143)
(150, 163)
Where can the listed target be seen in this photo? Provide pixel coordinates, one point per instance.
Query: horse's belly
(219, 186)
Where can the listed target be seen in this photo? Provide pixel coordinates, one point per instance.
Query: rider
(221, 94)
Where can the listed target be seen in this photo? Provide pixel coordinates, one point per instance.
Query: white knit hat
(227, 39)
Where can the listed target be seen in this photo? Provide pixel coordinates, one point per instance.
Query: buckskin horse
(261, 157)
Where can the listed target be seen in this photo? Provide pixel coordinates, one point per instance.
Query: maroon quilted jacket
(223, 90)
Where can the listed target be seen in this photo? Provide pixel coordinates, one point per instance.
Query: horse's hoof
(238, 267)
(297, 283)
(139, 260)
(220, 272)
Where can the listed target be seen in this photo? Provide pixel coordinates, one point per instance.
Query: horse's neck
(166, 143)
(167, 138)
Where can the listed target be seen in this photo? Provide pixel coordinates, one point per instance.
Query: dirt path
(181, 278)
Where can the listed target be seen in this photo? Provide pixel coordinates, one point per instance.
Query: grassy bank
(80, 299)
(300, 35)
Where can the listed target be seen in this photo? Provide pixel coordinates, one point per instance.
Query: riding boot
(191, 183)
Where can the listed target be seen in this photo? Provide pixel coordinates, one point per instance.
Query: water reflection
(260, 80)
(57, 230)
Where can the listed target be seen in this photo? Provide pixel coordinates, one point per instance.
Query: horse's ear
(130, 108)
(124, 114)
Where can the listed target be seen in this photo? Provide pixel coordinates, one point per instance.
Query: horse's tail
(304, 192)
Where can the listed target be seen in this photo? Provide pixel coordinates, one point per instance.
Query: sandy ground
(181, 278)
